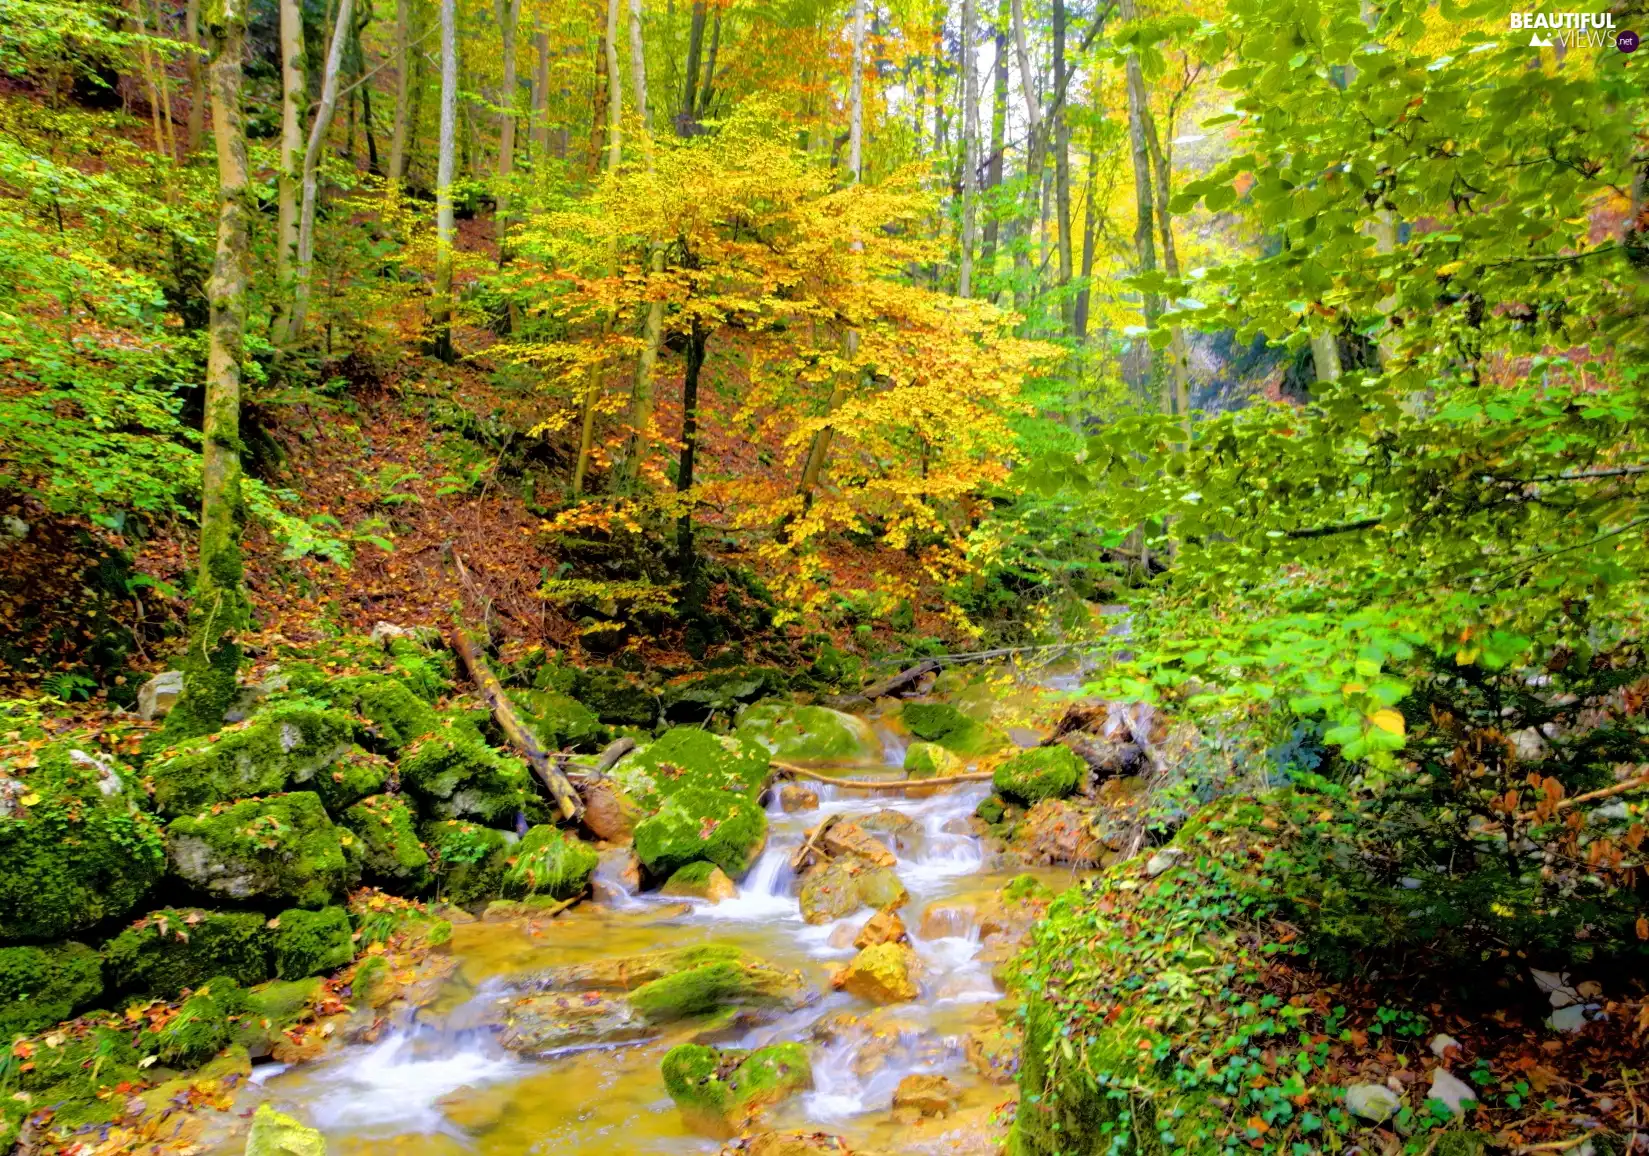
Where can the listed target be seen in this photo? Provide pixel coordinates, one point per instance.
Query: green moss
(688, 757)
(203, 1024)
(809, 734)
(769, 1074)
(391, 854)
(700, 823)
(469, 860)
(548, 862)
(271, 1008)
(989, 809)
(696, 697)
(938, 722)
(269, 752)
(279, 849)
(617, 699)
(41, 986)
(71, 1074)
(353, 777)
(694, 1077)
(457, 776)
(370, 981)
(1026, 886)
(311, 942)
(711, 1085)
(426, 672)
(560, 722)
(924, 760)
(709, 987)
(276, 1134)
(167, 951)
(398, 716)
(1050, 772)
(79, 854)
(694, 875)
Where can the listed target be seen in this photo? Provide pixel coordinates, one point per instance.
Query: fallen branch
(612, 752)
(901, 681)
(794, 771)
(804, 853)
(503, 712)
(1592, 796)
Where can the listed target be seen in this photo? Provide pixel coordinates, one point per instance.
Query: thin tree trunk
(1062, 160)
(197, 81)
(312, 169)
(446, 231)
(697, 339)
(293, 97)
(509, 15)
(615, 89)
(403, 83)
(1033, 151)
(146, 60)
(999, 131)
(970, 159)
(365, 83)
(707, 85)
(219, 609)
(165, 83)
(695, 52)
(1179, 368)
(638, 75)
(1090, 226)
(856, 95)
(1144, 246)
(541, 95)
(652, 333)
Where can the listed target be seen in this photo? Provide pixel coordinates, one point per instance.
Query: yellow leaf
(1465, 657)
(30, 799)
(1388, 720)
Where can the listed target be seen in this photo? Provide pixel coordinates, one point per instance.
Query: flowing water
(442, 1084)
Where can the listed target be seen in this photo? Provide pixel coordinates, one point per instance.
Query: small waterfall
(608, 887)
(764, 893)
(396, 1084)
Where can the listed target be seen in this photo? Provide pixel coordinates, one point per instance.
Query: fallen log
(901, 681)
(612, 752)
(520, 737)
(790, 770)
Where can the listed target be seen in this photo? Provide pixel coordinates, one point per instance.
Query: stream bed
(442, 1083)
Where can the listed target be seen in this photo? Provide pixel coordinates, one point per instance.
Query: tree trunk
(293, 97)
(364, 86)
(509, 15)
(652, 332)
(1144, 246)
(970, 158)
(707, 84)
(446, 231)
(219, 609)
(695, 52)
(1179, 368)
(312, 169)
(1033, 152)
(403, 83)
(1090, 228)
(999, 134)
(541, 95)
(697, 339)
(197, 81)
(1062, 160)
(615, 90)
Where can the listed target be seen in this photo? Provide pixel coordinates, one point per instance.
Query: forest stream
(440, 1081)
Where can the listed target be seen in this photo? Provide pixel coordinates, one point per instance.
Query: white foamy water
(395, 1084)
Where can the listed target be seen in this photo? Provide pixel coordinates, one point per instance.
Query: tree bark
(999, 132)
(1144, 245)
(970, 159)
(615, 90)
(1062, 159)
(707, 84)
(1030, 210)
(293, 96)
(312, 168)
(197, 82)
(403, 83)
(697, 339)
(446, 231)
(652, 332)
(1090, 227)
(1179, 368)
(856, 96)
(541, 95)
(685, 125)
(219, 609)
(509, 15)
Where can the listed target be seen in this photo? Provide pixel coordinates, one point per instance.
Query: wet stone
(543, 1023)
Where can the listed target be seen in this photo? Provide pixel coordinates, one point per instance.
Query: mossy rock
(691, 757)
(276, 1134)
(696, 697)
(76, 1077)
(711, 986)
(809, 734)
(925, 760)
(560, 722)
(549, 862)
(268, 753)
(715, 1089)
(203, 1025)
(397, 714)
(629, 971)
(700, 823)
(280, 849)
(357, 774)
(457, 776)
(392, 856)
(78, 854)
(273, 1007)
(427, 672)
(469, 860)
(616, 699)
(167, 951)
(1050, 772)
(305, 943)
(42, 986)
(938, 722)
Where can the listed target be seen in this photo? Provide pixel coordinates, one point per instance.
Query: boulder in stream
(788, 1144)
(712, 986)
(925, 760)
(623, 972)
(718, 1091)
(924, 1095)
(276, 1134)
(809, 734)
(883, 927)
(883, 974)
(793, 797)
(549, 862)
(843, 885)
(700, 881)
(852, 839)
(939, 722)
(1050, 772)
(544, 1023)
